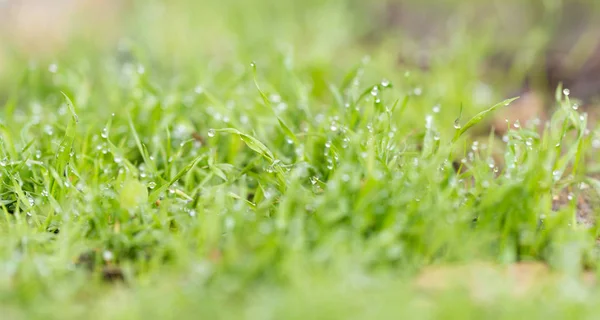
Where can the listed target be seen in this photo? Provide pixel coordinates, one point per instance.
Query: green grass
(264, 161)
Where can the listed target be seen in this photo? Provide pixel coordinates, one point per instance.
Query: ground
(313, 159)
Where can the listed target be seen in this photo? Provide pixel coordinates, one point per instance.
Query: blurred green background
(476, 52)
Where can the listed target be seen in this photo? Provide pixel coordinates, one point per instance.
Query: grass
(245, 167)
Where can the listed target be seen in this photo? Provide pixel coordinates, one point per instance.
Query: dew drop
(107, 255)
(556, 174)
(566, 92)
(211, 133)
(375, 91)
(529, 142)
(385, 83)
(4, 162)
(53, 68)
(437, 108)
(575, 106)
(49, 130)
(104, 133)
(517, 124)
(418, 91)
(151, 184)
(457, 124)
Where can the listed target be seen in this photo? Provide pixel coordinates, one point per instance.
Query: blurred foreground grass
(266, 159)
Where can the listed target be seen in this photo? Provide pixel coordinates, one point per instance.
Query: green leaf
(287, 130)
(133, 193)
(251, 142)
(142, 148)
(156, 193)
(476, 119)
(63, 155)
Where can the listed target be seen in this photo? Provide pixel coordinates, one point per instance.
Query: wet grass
(227, 168)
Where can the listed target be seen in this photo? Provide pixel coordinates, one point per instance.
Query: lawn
(296, 160)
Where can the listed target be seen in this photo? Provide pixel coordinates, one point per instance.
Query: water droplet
(418, 91)
(385, 83)
(104, 133)
(345, 177)
(375, 91)
(457, 124)
(4, 162)
(437, 108)
(529, 142)
(329, 164)
(575, 106)
(333, 127)
(345, 142)
(556, 174)
(118, 159)
(517, 124)
(328, 144)
(45, 193)
(107, 255)
(570, 196)
(596, 143)
(314, 180)
(566, 92)
(151, 184)
(112, 114)
(211, 133)
(475, 146)
(53, 68)
(48, 130)
(428, 121)
(141, 69)
(253, 64)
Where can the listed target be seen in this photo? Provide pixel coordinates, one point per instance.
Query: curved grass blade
(476, 119)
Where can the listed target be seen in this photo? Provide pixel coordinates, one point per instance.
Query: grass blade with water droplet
(477, 118)
(251, 142)
(156, 193)
(64, 150)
